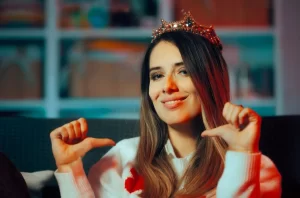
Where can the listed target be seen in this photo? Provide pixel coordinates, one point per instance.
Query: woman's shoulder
(111, 171)
(270, 178)
(128, 143)
(128, 149)
(266, 162)
(122, 153)
(268, 168)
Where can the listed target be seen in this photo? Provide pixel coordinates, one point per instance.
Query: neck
(184, 136)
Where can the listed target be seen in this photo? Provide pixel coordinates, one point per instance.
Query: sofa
(26, 143)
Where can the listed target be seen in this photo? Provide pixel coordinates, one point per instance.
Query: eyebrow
(159, 67)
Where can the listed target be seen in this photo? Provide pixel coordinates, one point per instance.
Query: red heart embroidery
(135, 182)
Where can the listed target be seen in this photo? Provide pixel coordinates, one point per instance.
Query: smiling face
(171, 89)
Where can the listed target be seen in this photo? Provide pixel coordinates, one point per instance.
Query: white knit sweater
(245, 175)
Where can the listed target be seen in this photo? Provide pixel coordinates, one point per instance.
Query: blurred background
(81, 58)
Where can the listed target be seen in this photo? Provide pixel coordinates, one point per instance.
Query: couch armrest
(37, 181)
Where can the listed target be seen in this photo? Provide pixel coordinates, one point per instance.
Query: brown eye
(183, 72)
(156, 76)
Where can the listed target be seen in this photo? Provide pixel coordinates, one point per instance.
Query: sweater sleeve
(102, 181)
(249, 176)
(74, 184)
(106, 175)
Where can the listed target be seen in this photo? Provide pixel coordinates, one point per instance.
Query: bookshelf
(54, 106)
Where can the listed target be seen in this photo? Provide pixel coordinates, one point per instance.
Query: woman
(193, 142)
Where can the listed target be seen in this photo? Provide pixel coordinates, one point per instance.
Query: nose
(170, 85)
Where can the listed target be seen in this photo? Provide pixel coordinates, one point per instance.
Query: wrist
(244, 150)
(65, 168)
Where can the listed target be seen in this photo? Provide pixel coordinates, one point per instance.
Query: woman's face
(171, 89)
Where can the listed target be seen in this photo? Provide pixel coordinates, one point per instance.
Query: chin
(173, 120)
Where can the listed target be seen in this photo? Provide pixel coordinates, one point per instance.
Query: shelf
(134, 103)
(248, 38)
(264, 107)
(21, 105)
(140, 33)
(22, 33)
(115, 33)
(244, 32)
(97, 113)
(87, 102)
(129, 33)
(129, 108)
(256, 103)
(97, 103)
(104, 108)
(116, 108)
(109, 103)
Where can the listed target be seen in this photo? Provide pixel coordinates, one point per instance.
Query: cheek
(153, 92)
(190, 88)
(197, 102)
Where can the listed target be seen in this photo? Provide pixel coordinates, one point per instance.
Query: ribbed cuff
(74, 184)
(242, 167)
(241, 175)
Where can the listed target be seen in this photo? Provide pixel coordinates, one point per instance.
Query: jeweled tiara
(188, 24)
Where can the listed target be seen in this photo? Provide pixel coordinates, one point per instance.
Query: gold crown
(188, 24)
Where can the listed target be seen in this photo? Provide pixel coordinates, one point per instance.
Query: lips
(172, 103)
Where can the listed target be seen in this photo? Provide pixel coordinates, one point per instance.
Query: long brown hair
(208, 71)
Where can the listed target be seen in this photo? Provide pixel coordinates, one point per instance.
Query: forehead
(164, 54)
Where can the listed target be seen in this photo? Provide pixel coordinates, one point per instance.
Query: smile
(173, 101)
(173, 104)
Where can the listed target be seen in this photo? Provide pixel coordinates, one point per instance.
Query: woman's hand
(243, 131)
(70, 142)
